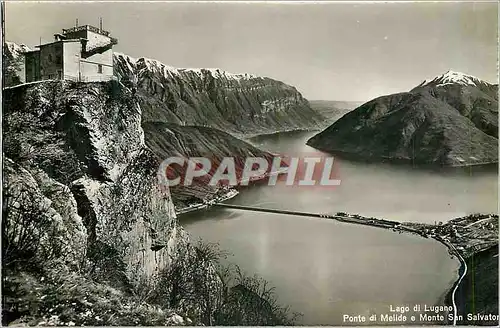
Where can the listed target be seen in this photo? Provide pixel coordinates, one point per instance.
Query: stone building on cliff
(81, 53)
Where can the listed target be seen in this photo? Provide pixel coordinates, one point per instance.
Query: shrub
(215, 294)
(251, 301)
(25, 223)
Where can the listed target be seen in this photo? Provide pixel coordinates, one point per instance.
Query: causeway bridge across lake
(347, 218)
(277, 211)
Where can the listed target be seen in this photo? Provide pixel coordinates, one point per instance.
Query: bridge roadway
(341, 218)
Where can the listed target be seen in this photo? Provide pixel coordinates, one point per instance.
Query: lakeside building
(81, 53)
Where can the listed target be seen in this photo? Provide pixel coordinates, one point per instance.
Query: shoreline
(231, 193)
(251, 136)
(199, 206)
(399, 161)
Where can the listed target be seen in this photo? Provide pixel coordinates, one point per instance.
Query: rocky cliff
(87, 140)
(332, 110)
(237, 103)
(241, 104)
(449, 120)
(82, 184)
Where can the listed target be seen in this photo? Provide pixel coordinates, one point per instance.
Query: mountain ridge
(450, 124)
(238, 103)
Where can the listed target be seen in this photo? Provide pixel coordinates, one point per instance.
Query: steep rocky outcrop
(237, 103)
(450, 120)
(81, 181)
(88, 137)
(478, 292)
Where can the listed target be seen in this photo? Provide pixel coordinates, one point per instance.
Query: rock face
(238, 103)
(451, 120)
(87, 139)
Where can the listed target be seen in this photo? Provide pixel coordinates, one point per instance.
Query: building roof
(60, 41)
(86, 28)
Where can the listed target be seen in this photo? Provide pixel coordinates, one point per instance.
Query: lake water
(325, 269)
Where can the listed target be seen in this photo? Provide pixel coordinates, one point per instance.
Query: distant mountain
(237, 103)
(451, 78)
(14, 63)
(332, 110)
(84, 216)
(449, 120)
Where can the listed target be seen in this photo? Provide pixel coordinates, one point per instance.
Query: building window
(99, 68)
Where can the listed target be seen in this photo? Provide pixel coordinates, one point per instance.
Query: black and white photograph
(260, 163)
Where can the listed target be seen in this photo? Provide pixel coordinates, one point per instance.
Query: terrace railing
(96, 78)
(85, 28)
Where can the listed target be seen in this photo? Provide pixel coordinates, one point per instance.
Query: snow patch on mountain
(452, 77)
(156, 66)
(216, 72)
(16, 49)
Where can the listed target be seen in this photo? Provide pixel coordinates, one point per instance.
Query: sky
(332, 51)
